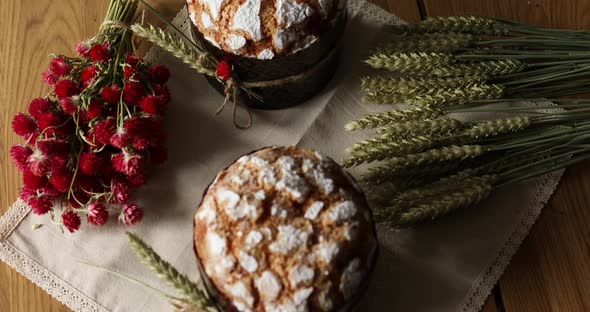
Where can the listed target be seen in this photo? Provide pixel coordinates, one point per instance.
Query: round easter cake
(270, 40)
(284, 229)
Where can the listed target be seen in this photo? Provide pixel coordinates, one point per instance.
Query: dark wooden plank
(407, 10)
(551, 271)
(553, 13)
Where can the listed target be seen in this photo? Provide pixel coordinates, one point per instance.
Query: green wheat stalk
(436, 42)
(487, 68)
(447, 203)
(376, 120)
(450, 97)
(168, 273)
(378, 84)
(177, 47)
(462, 24)
(423, 159)
(383, 148)
(423, 127)
(496, 127)
(409, 62)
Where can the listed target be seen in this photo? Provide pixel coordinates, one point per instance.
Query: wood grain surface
(551, 271)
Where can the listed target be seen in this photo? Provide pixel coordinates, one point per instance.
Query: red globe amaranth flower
(129, 72)
(33, 181)
(111, 94)
(145, 132)
(97, 213)
(132, 59)
(23, 124)
(69, 104)
(50, 191)
(133, 92)
(99, 53)
(26, 193)
(65, 88)
(120, 139)
(39, 106)
(137, 180)
(71, 220)
(130, 214)
(158, 155)
(39, 164)
(152, 105)
(127, 163)
(20, 155)
(159, 74)
(94, 109)
(40, 204)
(54, 147)
(48, 120)
(49, 77)
(120, 190)
(104, 130)
(88, 74)
(61, 179)
(224, 70)
(162, 92)
(83, 49)
(59, 66)
(90, 163)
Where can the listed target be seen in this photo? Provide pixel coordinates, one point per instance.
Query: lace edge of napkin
(475, 299)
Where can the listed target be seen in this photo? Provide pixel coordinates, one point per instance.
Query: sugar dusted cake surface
(262, 29)
(283, 229)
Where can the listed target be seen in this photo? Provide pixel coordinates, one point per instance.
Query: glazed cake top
(262, 29)
(285, 229)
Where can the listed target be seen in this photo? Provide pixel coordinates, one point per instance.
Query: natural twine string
(232, 86)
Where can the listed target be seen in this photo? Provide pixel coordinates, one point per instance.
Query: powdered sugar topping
(206, 20)
(314, 210)
(242, 295)
(268, 285)
(291, 12)
(265, 54)
(300, 274)
(289, 238)
(236, 42)
(291, 181)
(253, 238)
(343, 211)
(248, 262)
(214, 7)
(216, 244)
(247, 18)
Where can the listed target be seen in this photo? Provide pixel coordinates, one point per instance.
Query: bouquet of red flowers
(89, 141)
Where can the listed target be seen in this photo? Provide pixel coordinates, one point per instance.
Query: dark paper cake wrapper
(225, 305)
(323, 56)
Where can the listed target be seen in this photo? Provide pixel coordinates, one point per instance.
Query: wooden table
(551, 271)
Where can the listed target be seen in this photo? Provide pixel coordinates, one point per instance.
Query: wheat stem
(386, 118)
(382, 148)
(409, 62)
(177, 47)
(168, 273)
(426, 158)
(422, 127)
(446, 203)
